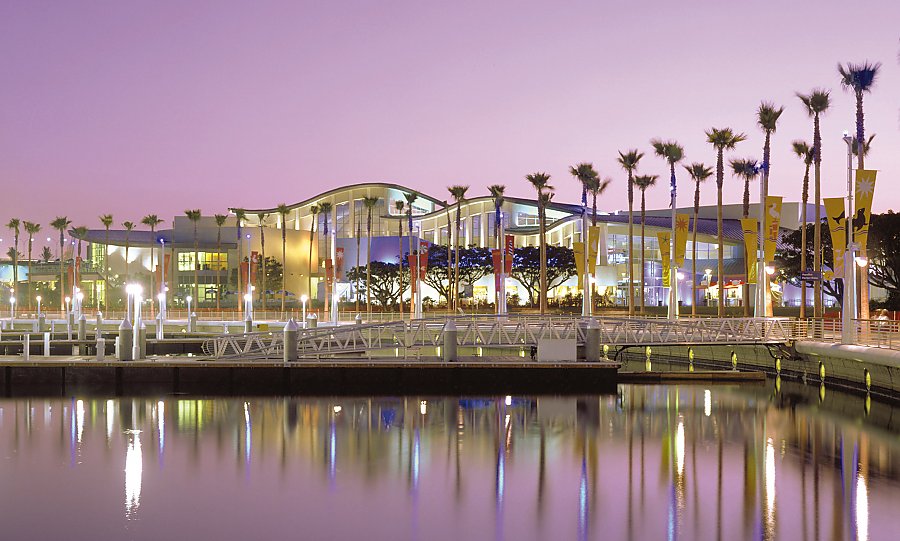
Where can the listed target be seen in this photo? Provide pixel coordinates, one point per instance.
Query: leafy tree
(788, 259)
(274, 272)
(46, 254)
(474, 264)
(382, 281)
(527, 265)
(884, 256)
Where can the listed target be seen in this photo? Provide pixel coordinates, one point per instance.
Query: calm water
(652, 462)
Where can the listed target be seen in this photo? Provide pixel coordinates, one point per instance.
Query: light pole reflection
(862, 508)
(134, 469)
(769, 531)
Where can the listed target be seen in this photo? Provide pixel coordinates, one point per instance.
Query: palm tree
(643, 182)
(629, 161)
(369, 203)
(314, 210)
(13, 225)
(107, 221)
(399, 205)
(152, 221)
(586, 175)
(866, 146)
(449, 258)
(194, 216)
(282, 211)
(597, 187)
(261, 216)
(410, 199)
(497, 191)
(61, 223)
(325, 210)
(32, 228)
(747, 169)
(673, 153)
(129, 226)
(458, 192)
(239, 216)
(721, 139)
(220, 221)
(77, 233)
(699, 173)
(767, 116)
(860, 79)
(817, 102)
(803, 151)
(541, 183)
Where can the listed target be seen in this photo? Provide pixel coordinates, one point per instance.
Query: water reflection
(651, 462)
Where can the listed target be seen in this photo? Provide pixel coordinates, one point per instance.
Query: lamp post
(586, 302)
(161, 297)
(68, 300)
(189, 299)
(707, 276)
(129, 291)
(848, 307)
(79, 299)
(12, 310)
(303, 299)
(38, 298)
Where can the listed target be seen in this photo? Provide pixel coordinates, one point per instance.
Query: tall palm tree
(860, 79)
(699, 173)
(194, 216)
(816, 103)
(497, 191)
(673, 153)
(643, 182)
(586, 175)
(239, 216)
(13, 225)
(721, 139)
(803, 151)
(261, 216)
(410, 199)
(369, 203)
(32, 228)
(78, 233)
(220, 221)
(629, 162)
(152, 221)
(107, 221)
(458, 193)
(597, 187)
(314, 210)
(399, 206)
(129, 226)
(282, 211)
(325, 210)
(61, 223)
(541, 183)
(746, 169)
(767, 116)
(447, 207)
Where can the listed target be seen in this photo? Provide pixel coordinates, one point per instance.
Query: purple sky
(140, 107)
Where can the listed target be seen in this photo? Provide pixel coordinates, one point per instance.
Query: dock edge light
(861, 261)
(770, 270)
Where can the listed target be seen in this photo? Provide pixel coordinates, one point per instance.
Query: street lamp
(79, 297)
(68, 300)
(12, 309)
(189, 299)
(38, 298)
(848, 308)
(303, 299)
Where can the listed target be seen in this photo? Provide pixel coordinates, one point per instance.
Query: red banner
(252, 264)
(411, 260)
(423, 259)
(339, 263)
(163, 271)
(497, 260)
(509, 246)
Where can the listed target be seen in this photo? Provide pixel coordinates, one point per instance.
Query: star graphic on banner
(681, 224)
(864, 189)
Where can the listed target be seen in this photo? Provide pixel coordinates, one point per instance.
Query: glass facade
(209, 261)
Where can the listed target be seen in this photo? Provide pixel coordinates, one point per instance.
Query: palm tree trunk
(312, 238)
(456, 257)
(262, 275)
(449, 262)
(694, 251)
(630, 244)
(862, 277)
(817, 226)
(30, 291)
(400, 260)
(106, 269)
(152, 275)
(358, 242)
(643, 252)
(196, 269)
(803, 241)
(283, 264)
(62, 274)
(720, 177)
(745, 289)
(240, 279)
(543, 252)
(219, 271)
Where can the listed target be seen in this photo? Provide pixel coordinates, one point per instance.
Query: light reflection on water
(652, 462)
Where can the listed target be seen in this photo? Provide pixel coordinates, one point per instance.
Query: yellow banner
(578, 248)
(862, 214)
(772, 223)
(682, 222)
(664, 250)
(837, 224)
(751, 246)
(593, 243)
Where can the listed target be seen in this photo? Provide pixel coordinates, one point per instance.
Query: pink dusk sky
(142, 107)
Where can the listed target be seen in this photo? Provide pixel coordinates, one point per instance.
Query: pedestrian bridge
(400, 338)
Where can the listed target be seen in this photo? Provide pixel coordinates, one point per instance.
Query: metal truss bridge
(402, 338)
